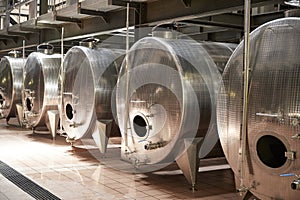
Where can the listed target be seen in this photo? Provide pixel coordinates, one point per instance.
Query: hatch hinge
(290, 155)
(296, 136)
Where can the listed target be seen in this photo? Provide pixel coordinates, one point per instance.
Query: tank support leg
(101, 134)
(247, 195)
(189, 161)
(7, 119)
(10, 124)
(53, 116)
(1, 114)
(70, 140)
(20, 114)
(244, 192)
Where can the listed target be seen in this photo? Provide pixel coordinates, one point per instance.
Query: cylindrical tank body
(41, 86)
(90, 77)
(273, 114)
(11, 84)
(169, 86)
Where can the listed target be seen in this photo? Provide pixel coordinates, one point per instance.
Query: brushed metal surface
(274, 109)
(41, 75)
(171, 92)
(90, 77)
(11, 84)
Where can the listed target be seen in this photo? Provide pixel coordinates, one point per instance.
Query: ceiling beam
(95, 13)
(150, 13)
(162, 11)
(187, 3)
(233, 21)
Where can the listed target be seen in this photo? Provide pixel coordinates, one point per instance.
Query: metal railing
(17, 11)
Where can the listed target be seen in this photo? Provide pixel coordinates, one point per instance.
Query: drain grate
(25, 184)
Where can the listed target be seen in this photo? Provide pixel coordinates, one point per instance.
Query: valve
(296, 136)
(295, 185)
(74, 125)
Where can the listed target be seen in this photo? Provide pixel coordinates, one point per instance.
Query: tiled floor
(72, 173)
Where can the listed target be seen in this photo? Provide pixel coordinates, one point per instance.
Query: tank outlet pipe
(152, 146)
(295, 185)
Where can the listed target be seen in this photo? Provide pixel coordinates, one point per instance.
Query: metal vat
(41, 87)
(273, 114)
(11, 83)
(171, 87)
(90, 77)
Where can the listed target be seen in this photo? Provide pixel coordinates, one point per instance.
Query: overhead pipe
(244, 125)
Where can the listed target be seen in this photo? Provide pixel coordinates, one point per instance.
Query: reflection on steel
(273, 113)
(171, 91)
(40, 86)
(90, 77)
(11, 84)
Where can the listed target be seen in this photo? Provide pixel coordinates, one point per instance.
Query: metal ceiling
(37, 21)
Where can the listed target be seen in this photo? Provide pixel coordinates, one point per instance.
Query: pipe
(244, 125)
(152, 146)
(23, 50)
(62, 74)
(18, 48)
(127, 80)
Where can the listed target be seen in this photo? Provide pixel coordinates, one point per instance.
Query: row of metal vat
(172, 100)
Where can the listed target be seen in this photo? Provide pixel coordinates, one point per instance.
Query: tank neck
(14, 54)
(47, 49)
(89, 43)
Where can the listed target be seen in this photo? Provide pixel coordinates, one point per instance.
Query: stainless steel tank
(272, 144)
(165, 99)
(90, 76)
(11, 83)
(41, 86)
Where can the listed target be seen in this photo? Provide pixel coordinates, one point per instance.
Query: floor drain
(25, 184)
